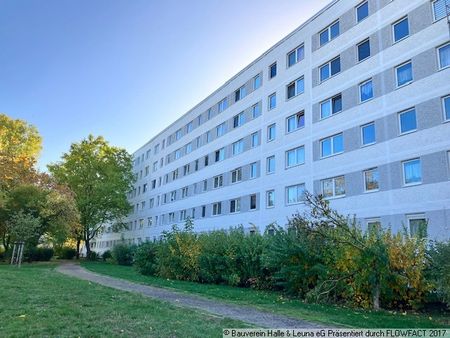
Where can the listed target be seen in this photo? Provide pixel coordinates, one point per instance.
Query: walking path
(242, 313)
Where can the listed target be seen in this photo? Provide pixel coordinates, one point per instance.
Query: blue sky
(126, 69)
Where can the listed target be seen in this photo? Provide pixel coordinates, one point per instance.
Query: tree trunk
(78, 247)
(376, 296)
(87, 244)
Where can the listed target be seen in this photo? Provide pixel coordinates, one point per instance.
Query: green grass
(277, 303)
(38, 301)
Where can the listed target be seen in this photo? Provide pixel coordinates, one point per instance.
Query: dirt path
(243, 313)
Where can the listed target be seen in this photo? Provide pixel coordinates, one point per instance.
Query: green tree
(20, 145)
(100, 175)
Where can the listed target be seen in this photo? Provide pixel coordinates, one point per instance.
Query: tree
(100, 175)
(20, 145)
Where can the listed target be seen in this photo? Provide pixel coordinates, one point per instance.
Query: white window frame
(296, 88)
(256, 111)
(242, 92)
(255, 79)
(330, 102)
(237, 205)
(396, 74)
(236, 175)
(268, 160)
(254, 137)
(362, 134)
(270, 70)
(239, 118)
(356, 11)
(296, 119)
(357, 50)
(328, 64)
(400, 121)
(393, 29)
(439, 54)
(253, 165)
(364, 180)
(415, 217)
(217, 209)
(218, 181)
(268, 101)
(268, 193)
(403, 172)
(333, 179)
(359, 90)
(296, 52)
(222, 105)
(328, 28)
(297, 186)
(237, 147)
(373, 220)
(269, 127)
(434, 13)
(443, 108)
(295, 154)
(332, 145)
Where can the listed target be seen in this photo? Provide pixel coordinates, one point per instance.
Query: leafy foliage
(100, 175)
(145, 259)
(439, 271)
(123, 254)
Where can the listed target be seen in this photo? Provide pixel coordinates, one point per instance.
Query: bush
(439, 271)
(36, 254)
(123, 254)
(145, 259)
(67, 253)
(92, 256)
(106, 255)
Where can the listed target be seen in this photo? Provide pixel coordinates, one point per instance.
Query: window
(363, 50)
(240, 93)
(149, 221)
(333, 187)
(175, 174)
(236, 175)
(256, 82)
(184, 192)
(253, 170)
(199, 120)
(446, 108)
(412, 172)
(182, 215)
(223, 105)
(209, 113)
(208, 136)
(371, 179)
(206, 160)
(155, 166)
(407, 121)
(173, 196)
(295, 194)
(332, 145)
(218, 181)
(235, 205)
(217, 208)
(203, 211)
(368, 134)
(295, 55)
(272, 101)
(220, 154)
(404, 74)
(270, 164)
(329, 69)
(238, 147)
(196, 165)
(439, 9)
(400, 29)
(271, 132)
(329, 33)
(253, 202)
(178, 134)
(417, 225)
(220, 129)
(295, 88)
(373, 225)
(205, 185)
(295, 157)
(366, 91)
(256, 111)
(295, 122)
(255, 139)
(188, 148)
(189, 127)
(444, 56)
(331, 106)
(362, 11)
(238, 120)
(197, 142)
(171, 216)
(272, 70)
(177, 154)
(270, 198)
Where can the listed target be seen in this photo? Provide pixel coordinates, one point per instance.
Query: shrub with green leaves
(145, 258)
(37, 254)
(106, 255)
(123, 254)
(439, 270)
(67, 253)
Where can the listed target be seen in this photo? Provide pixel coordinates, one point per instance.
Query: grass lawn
(276, 302)
(37, 301)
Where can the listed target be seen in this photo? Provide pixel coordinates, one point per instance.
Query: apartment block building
(354, 104)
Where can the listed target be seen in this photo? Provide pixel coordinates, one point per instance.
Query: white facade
(408, 154)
